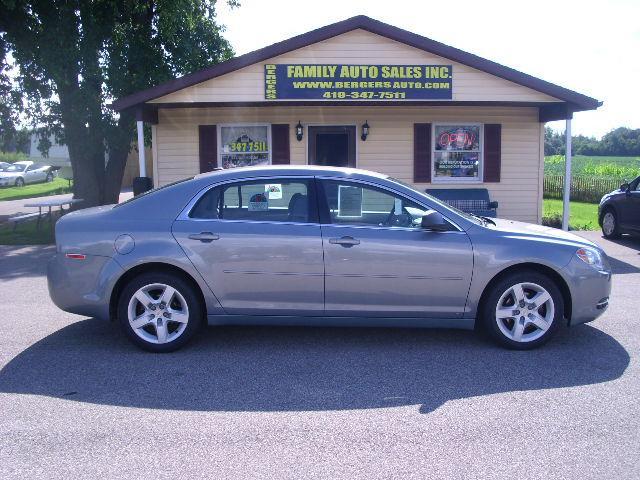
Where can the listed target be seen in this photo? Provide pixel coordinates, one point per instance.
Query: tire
(49, 178)
(184, 304)
(521, 327)
(19, 182)
(610, 227)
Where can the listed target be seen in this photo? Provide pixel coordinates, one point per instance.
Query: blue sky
(592, 47)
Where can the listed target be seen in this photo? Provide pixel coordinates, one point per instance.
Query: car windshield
(472, 218)
(13, 168)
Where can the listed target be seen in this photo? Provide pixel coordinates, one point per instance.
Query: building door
(333, 146)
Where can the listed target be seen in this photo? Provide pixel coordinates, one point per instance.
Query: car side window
(352, 203)
(274, 200)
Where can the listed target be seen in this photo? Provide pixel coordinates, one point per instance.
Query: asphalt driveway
(78, 401)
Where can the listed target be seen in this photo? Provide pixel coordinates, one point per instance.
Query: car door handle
(345, 241)
(204, 236)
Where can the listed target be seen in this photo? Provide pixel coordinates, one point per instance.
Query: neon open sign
(457, 138)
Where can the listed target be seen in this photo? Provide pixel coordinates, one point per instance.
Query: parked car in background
(21, 173)
(318, 246)
(619, 211)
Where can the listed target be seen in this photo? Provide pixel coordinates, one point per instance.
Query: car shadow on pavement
(628, 241)
(14, 264)
(303, 369)
(619, 267)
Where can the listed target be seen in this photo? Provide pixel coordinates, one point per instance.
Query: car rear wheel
(19, 182)
(159, 312)
(523, 310)
(49, 178)
(610, 224)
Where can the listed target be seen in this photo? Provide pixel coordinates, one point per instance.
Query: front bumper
(590, 290)
(83, 286)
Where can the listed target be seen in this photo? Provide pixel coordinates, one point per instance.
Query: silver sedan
(318, 246)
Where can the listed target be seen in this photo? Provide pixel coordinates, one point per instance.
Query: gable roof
(577, 101)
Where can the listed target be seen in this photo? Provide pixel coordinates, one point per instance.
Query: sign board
(349, 201)
(358, 82)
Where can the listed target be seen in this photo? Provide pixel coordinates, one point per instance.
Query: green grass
(58, 186)
(619, 167)
(27, 234)
(582, 216)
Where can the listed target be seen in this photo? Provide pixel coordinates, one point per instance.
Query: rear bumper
(84, 286)
(590, 291)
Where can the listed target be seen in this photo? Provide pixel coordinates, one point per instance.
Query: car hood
(540, 232)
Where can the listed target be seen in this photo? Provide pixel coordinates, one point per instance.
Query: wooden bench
(469, 200)
(23, 218)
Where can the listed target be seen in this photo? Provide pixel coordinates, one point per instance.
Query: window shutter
(208, 142)
(492, 151)
(280, 152)
(422, 152)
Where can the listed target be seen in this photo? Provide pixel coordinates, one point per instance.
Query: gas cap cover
(124, 244)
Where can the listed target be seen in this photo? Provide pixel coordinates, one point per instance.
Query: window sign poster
(258, 203)
(244, 145)
(349, 201)
(397, 206)
(274, 191)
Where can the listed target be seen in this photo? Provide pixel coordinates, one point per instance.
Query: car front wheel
(19, 182)
(610, 225)
(159, 312)
(523, 310)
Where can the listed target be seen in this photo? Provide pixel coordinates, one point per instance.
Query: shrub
(12, 157)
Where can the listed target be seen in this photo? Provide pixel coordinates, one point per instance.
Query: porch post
(567, 178)
(141, 159)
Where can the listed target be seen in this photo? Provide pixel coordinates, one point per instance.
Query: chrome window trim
(395, 192)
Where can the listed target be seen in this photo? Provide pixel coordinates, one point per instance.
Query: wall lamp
(365, 131)
(299, 131)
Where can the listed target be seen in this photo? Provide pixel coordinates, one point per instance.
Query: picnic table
(40, 204)
(44, 204)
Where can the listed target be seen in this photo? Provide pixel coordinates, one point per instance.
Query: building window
(457, 153)
(244, 145)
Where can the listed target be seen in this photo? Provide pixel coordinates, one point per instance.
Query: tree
(75, 56)
(553, 142)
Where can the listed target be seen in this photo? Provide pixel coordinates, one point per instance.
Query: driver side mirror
(624, 187)
(434, 221)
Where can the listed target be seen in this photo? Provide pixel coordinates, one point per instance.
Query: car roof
(288, 170)
(24, 162)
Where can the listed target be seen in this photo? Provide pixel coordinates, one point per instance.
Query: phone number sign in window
(358, 82)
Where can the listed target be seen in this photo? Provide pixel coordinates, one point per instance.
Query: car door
(630, 204)
(380, 262)
(258, 245)
(29, 174)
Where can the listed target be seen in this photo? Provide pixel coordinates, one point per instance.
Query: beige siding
(356, 47)
(389, 148)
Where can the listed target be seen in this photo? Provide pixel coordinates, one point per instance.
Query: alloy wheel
(608, 223)
(525, 312)
(158, 313)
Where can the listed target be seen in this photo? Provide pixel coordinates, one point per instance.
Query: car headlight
(591, 257)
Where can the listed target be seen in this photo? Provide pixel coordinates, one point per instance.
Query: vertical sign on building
(270, 82)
